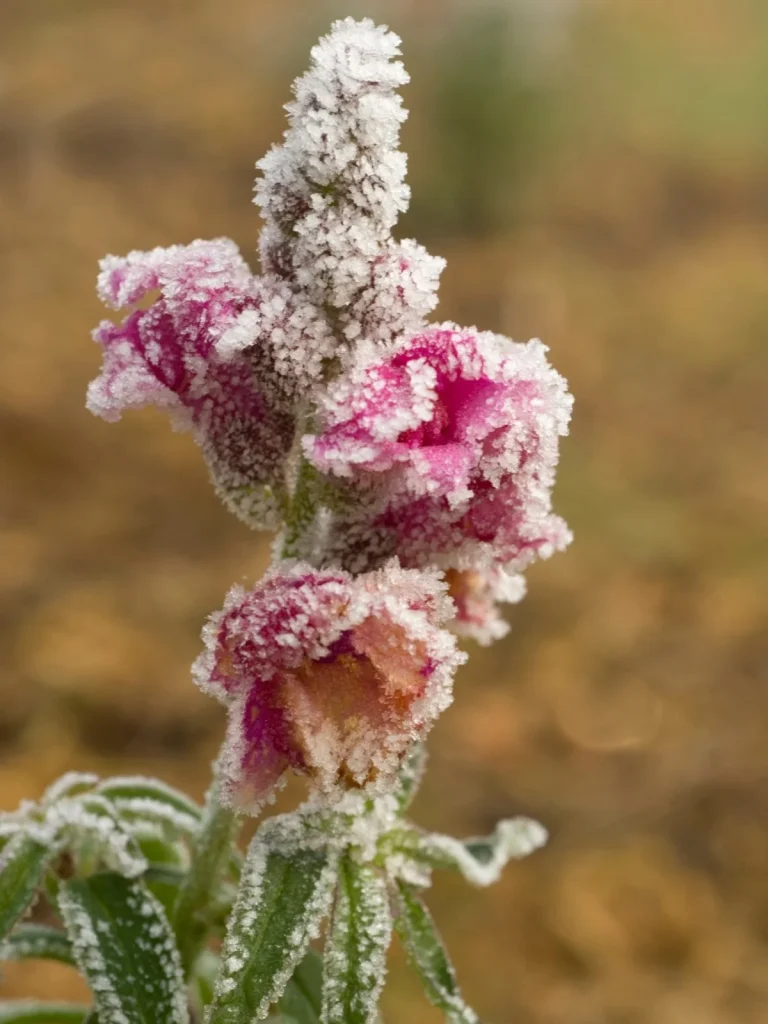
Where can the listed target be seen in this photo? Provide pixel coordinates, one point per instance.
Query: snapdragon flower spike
(332, 192)
(450, 443)
(401, 292)
(165, 355)
(330, 675)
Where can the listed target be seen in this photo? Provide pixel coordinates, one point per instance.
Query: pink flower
(165, 354)
(449, 445)
(326, 674)
(477, 594)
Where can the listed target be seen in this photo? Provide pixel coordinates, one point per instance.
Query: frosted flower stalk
(407, 469)
(321, 396)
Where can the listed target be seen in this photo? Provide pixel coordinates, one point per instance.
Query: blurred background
(595, 172)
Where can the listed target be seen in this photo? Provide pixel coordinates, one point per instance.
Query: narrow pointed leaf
(68, 785)
(211, 860)
(425, 949)
(124, 946)
(410, 775)
(164, 882)
(88, 826)
(136, 787)
(203, 979)
(136, 798)
(37, 942)
(282, 900)
(29, 1011)
(480, 860)
(355, 956)
(302, 998)
(22, 866)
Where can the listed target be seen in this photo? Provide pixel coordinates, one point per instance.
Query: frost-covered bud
(298, 336)
(477, 594)
(331, 193)
(451, 443)
(400, 295)
(327, 674)
(165, 355)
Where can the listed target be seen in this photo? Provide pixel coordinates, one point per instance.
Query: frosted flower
(295, 332)
(477, 595)
(332, 192)
(400, 294)
(449, 444)
(330, 675)
(164, 354)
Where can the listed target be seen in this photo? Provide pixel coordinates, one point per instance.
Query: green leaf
(480, 860)
(282, 899)
(68, 785)
(22, 866)
(164, 882)
(136, 787)
(135, 797)
(124, 946)
(425, 949)
(356, 948)
(88, 826)
(303, 994)
(37, 942)
(204, 976)
(410, 775)
(29, 1011)
(199, 894)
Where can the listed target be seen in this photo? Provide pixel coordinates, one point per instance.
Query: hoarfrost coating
(408, 467)
(331, 675)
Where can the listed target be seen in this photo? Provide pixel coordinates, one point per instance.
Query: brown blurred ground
(614, 201)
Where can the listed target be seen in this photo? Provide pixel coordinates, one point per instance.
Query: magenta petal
(254, 758)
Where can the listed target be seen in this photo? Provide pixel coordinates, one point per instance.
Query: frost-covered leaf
(37, 942)
(212, 856)
(164, 882)
(68, 785)
(88, 826)
(356, 948)
(22, 866)
(30, 1011)
(282, 900)
(480, 860)
(302, 998)
(159, 850)
(426, 951)
(124, 946)
(410, 775)
(203, 979)
(10, 826)
(135, 797)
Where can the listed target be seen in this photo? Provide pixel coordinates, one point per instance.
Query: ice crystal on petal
(477, 594)
(449, 443)
(331, 675)
(166, 355)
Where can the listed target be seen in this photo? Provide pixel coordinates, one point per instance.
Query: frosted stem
(210, 859)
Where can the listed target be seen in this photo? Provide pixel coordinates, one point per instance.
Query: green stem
(302, 508)
(199, 895)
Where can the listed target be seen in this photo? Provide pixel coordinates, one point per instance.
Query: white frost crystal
(332, 192)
